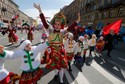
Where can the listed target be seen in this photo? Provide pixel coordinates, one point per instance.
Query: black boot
(61, 83)
(56, 77)
(84, 58)
(69, 66)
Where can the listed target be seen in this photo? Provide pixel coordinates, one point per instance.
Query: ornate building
(96, 12)
(8, 9)
(71, 11)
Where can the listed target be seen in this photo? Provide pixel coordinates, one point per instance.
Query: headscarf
(23, 44)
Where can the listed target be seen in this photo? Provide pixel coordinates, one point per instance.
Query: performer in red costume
(56, 50)
(11, 35)
(30, 34)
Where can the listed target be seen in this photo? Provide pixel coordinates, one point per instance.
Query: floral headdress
(61, 17)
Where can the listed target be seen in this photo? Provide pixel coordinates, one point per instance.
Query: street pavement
(102, 70)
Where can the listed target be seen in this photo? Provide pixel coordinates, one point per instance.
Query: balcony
(92, 2)
(104, 6)
(117, 2)
(114, 3)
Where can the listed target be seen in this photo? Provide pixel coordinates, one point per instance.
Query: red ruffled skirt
(31, 77)
(69, 56)
(57, 59)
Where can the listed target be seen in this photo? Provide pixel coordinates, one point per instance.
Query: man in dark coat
(109, 42)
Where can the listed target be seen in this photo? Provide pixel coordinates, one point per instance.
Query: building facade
(9, 9)
(71, 11)
(96, 12)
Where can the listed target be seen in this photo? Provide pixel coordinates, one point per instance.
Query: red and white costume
(5, 75)
(57, 52)
(30, 62)
(70, 48)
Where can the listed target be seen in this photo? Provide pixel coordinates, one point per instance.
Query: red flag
(114, 26)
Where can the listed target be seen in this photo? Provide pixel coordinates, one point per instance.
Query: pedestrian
(115, 41)
(109, 42)
(57, 52)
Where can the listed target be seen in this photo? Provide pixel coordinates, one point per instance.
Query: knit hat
(101, 38)
(81, 38)
(70, 35)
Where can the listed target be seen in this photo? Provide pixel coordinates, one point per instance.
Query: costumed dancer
(69, 48)
(86, 46)
(92, 43)
(30, 55)
(44, 53)
(65, 38)
(79, 50)
(100, 45)
(56, 50)
(6, 77)
(11, 35)
(30, 34)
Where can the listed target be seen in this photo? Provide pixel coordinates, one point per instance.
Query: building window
(121, 12)
(92, 17)
(85, 17)
(100, 3)
(98, 15)
(114, 1)
(104, 15)
(111, 14)
(89, 17)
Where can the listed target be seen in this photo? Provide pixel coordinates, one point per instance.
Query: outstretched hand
(37, 6)
(1, 49)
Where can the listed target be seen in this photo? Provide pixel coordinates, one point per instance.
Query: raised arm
(37, 6)
(74, 24)
(41, 47)
(9, 54)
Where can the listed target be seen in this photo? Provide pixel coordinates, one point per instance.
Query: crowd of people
(59, 46)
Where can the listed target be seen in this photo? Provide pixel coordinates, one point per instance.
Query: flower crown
(59, 16)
